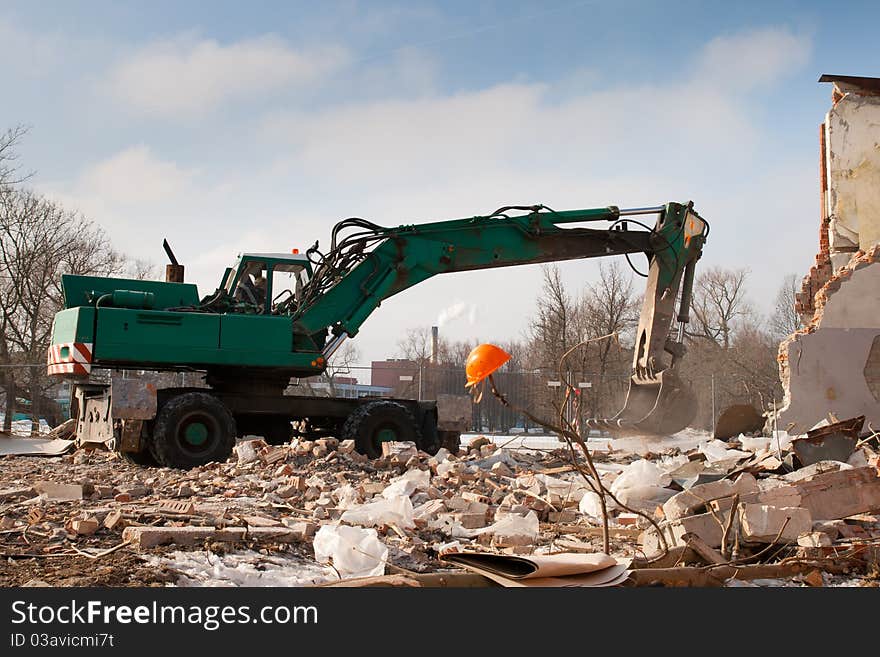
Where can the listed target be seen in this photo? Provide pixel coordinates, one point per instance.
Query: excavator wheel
(377, 422)
(192, 429)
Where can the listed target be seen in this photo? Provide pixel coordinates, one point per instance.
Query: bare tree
(142, 270)
(415, 345)
(8, 156)
(610, 306)
(40, 241)
(785, 320)
(719, 302)
(554, 328)
(340, 365)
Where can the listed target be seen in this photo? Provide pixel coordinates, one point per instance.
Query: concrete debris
(55, 492)
(814, 539)
(147, 537)
(82, 526)
(274, 502)
(762, 523)
(689, 501)
(832, 442)
(248, 451)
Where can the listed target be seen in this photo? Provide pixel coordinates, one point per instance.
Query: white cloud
(134, 176)
(187, 77)
(754, 58)
(519, 127)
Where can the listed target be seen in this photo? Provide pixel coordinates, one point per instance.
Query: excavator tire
(380, 421)
(192, 429)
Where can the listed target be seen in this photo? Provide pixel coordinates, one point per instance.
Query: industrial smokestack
(435, 344)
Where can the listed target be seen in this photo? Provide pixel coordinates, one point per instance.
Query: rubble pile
(324, 511)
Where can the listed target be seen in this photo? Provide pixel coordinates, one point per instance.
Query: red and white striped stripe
(70, 358)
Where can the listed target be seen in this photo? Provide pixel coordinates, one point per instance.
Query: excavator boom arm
(411, 254)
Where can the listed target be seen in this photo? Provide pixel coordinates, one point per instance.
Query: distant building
(387, 373)
(349, 388)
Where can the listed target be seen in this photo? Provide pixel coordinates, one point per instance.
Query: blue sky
(231, 126)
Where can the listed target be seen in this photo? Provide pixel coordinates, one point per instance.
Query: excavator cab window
(252, 287)
(288, 280)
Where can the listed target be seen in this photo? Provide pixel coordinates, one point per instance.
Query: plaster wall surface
(852, 140)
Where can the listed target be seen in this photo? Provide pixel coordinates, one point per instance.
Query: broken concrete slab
(686, 502)
(814, 539)
(834, 495)
(147, 537)
(816, 468)
(705, 525)
(762, 523)
(55, 492)
(34, 446)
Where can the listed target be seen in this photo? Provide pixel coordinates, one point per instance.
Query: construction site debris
(353, 551)
(544, 570)
(55, 492)
(280, 504)
(832, 442)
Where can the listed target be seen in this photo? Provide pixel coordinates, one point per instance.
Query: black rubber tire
(176, 415)
(367, 421)
(145, 459)
(451, 440)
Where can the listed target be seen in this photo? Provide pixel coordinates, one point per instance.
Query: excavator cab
(267, 283)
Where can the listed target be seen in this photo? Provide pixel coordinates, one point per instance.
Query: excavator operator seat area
(270, 283)
(288, 280)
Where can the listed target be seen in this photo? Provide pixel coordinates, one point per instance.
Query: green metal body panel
(144, 337)
(260, 339)
(74, 325)
(155, 336)
(85, 290)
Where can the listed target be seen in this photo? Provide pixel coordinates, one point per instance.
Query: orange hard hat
(482, 361)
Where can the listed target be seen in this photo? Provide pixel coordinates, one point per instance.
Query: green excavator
(276, 316)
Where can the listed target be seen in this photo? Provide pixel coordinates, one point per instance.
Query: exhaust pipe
(174, 270)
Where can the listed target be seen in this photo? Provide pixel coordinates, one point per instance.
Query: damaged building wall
(831, 365)
(852, 162)
(849, 176)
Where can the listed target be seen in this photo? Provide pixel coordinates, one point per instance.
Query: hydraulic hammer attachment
(658, 401)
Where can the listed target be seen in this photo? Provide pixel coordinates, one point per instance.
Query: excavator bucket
(662, 405)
